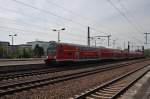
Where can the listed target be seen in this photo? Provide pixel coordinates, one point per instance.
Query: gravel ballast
(66, 89)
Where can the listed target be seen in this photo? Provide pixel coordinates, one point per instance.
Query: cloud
(75, 16)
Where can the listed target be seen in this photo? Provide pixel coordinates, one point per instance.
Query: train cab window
(51, 52)
(51, 49)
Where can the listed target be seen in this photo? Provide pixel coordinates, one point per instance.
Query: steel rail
(112, 89)
(13, 87)
(42, 71)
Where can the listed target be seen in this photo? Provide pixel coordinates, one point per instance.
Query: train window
(51, 52)
(51, 49)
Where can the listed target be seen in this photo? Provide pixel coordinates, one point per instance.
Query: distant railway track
(29, 73)
(14, 85)
(45, 70)
(116, 87)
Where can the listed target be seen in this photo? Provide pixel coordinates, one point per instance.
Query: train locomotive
(73, 53)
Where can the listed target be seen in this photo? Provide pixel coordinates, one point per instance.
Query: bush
(3, 53)
(147, 52)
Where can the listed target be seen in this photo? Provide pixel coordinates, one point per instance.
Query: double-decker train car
(69, 53)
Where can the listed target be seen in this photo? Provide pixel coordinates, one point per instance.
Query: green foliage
(38, 51)
(125, 49)
(3, 52)
(27, 53)
(17, 53)
(147, 52)
(24, 53)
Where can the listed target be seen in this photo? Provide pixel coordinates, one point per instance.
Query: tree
(147, 52)
(26, 53)
(38, 51)
(3, 52)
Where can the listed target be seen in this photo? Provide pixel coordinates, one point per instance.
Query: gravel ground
(66, 89)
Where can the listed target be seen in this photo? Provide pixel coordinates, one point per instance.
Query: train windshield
(51, 50)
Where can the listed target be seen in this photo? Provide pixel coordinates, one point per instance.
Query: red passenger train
(65, 52)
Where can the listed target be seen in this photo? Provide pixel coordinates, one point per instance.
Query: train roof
(101, 47)
(98, 47)
(76, 44)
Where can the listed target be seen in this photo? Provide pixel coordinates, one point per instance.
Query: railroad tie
(99, 97)
(89, 98)
(104, 93)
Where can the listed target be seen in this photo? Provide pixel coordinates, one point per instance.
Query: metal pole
(146, 38)
(58, 36)
(88, 38)
(143, 49)
(138, 48)
(114, 43)
(58, 33)
(12, 40)
(124, 45)
(108, 39)
(128, 46)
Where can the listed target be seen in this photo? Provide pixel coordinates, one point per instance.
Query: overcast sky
(125, 20)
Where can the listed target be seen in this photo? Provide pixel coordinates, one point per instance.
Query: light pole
(59, 33)
(12, 38)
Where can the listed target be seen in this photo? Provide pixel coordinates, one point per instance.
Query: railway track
(29, 73)
(12, 75)
(115, 88)
(23, 83)
(17, 74)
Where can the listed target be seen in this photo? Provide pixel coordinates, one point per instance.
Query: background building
(22, 50)
(4, 44)
(4, 49)
(42, 44)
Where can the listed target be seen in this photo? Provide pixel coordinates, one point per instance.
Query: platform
(140, 90)
(12, 62)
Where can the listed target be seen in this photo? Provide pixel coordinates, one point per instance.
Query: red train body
(64, 52)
